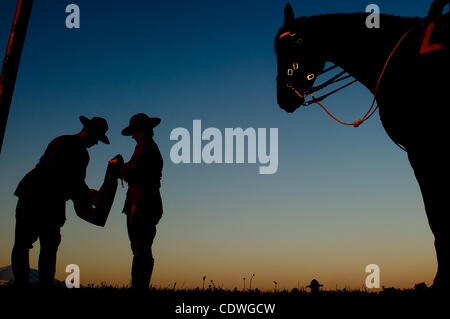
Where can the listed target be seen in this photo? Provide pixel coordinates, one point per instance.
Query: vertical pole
(12, 61)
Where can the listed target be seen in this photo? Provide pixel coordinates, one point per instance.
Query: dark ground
(109, 302)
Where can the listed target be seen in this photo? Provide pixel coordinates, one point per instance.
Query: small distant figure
(143, 204)
(43, 192)
(314, 286)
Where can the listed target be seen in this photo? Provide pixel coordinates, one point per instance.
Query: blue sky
(342, 197)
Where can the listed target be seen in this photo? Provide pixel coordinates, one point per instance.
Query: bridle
(339, 77)
(290, 73)
(309, 92)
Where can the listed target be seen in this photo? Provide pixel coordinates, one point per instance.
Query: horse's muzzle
(288, 100)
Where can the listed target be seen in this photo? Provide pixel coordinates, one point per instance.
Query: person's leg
(49, 238)
(141, 236)
(142, 268)
(148, 233)
(136, 265)
(430, 168)
(25, 236)
(147, 256)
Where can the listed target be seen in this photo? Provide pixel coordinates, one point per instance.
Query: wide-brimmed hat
(139, 122)
(97, 126)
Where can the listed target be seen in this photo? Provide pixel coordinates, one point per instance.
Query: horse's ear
(288, 15)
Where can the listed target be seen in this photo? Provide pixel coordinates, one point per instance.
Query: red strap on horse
(426, 46)
(370, 112)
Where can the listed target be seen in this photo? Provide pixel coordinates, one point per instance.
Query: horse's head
(299, 63)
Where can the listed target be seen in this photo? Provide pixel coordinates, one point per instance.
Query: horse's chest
(413, 99)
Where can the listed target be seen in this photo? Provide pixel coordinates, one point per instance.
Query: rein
(339, 77)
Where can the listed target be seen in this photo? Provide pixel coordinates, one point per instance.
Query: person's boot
(20, 266)
(137, 273)
(148, 270)
(141, 272)
(134, 272)
(47, 267)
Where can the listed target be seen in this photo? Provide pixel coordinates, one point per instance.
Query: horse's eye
(310, 76)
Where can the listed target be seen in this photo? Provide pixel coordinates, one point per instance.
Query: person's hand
(114, 166)
(94, 196)
(117, 160)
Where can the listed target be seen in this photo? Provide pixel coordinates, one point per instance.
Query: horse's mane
(347, 21)
(338, 16)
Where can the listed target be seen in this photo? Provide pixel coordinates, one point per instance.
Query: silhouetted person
(43, 192)
(143, 205)
(314, 286)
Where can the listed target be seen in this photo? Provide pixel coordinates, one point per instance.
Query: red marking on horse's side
(426, 47)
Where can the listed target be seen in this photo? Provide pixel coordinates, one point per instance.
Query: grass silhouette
(162, 302)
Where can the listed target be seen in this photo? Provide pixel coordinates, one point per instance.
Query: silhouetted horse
(412, 96)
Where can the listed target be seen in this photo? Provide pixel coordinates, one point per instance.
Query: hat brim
(104, 139)
(152, 123)
(85, 121)
(128, 131)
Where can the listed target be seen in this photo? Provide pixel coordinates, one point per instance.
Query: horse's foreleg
(432, 174)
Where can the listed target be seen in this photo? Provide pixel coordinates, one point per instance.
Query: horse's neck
(345, 40)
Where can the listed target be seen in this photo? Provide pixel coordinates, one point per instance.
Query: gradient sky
(342, 197)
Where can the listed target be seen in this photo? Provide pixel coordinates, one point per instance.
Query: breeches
(31, 225)
(28, 231)
(141, 232)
